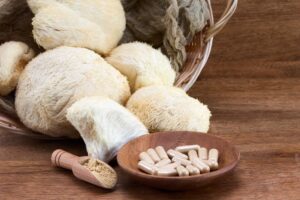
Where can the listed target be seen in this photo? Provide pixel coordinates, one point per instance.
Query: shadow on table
(213, 191)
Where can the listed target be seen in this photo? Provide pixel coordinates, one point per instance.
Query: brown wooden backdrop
(252, 86)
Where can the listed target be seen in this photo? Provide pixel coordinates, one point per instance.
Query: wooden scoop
(101, 175)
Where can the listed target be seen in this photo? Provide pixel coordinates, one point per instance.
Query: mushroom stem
(104, 125)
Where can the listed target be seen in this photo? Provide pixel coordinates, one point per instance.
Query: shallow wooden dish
(128, 159)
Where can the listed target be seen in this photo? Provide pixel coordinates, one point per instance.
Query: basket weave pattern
(198, 52)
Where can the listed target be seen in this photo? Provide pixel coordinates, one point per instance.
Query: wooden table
(252, 86)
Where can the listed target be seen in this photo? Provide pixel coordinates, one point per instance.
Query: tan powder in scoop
(103, 172)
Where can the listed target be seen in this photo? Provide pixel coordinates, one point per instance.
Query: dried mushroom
(142, 65)
(94, 24)
(56, 79)
(13, 58)
(163, 108)
(104, 125)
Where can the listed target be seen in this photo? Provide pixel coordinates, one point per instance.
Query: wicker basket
(198, 52)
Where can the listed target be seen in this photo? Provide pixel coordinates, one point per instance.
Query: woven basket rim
(202, 42)
(188, 77)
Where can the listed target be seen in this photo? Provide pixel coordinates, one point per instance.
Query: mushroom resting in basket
(117, 89)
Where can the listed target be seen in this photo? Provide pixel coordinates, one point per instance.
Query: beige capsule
(167, 172)
(182, 171)
(145, 157)
(193, 170)
(187, 148)
(203, 153)
(197, 162)
(182, 161)
(152, 153)
(192, 154)
(173, 153)
(208, 163)
(163, 163)
(200, 165)
(148, 168)
(213, 165)
(161, 152)
(171, 166)
(213, 155)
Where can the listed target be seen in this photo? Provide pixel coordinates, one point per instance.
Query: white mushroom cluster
(56, 79)
(163, 108)
(104, 125)
(13, 58)
(71, 91)
(142, 65)
(94, 24)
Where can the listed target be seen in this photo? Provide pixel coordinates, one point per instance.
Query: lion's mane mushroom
(163, 108)
(13, 58)
(142, 65)
(56, 79)
(104, 125)
(93, 24)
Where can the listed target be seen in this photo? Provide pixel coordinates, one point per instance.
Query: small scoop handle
(61, 158)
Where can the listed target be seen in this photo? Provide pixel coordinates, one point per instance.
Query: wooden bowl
(128, 158)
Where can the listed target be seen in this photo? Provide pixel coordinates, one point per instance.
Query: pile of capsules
(183, 161)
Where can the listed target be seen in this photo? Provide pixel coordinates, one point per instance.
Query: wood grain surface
(252, 86)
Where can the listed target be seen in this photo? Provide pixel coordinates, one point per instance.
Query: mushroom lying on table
(163, 108)
(13, 58)
(104, 125)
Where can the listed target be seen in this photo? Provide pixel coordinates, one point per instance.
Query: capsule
(145, 157)
(214, 166)
(200, 166)
(173, 153)
(182, 161)
(193, 170)
(163, 162)
(171, 166)
(213, 155)
(167, 172)
(197, 162)
(208, 163)
(203, 153)
(187, 148)
(146, 167)
(161, 152)
(152, 153)
(192, 155)
(182, 171)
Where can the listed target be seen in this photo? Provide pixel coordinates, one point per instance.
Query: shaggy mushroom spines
(97, 25)
(13, 58)
(142, 65)
(56, 79)
(36, 5)
(109, 126)
(49, 33)
(164, 108)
